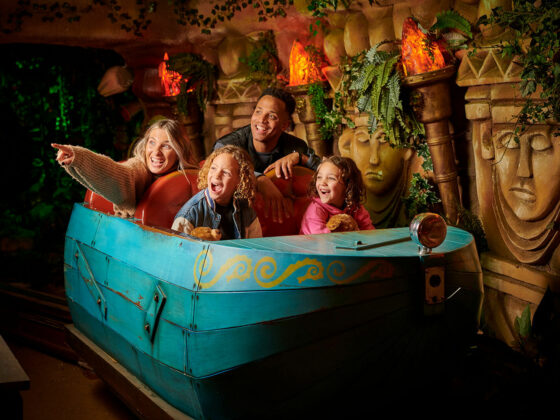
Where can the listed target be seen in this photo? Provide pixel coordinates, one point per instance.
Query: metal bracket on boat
(434, 278)
(153, 312)
(90, 282)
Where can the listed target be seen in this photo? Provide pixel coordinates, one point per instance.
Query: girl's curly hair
(247, 183)
(350, 176)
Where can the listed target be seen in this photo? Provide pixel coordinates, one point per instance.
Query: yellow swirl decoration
(204, 268)
(376, 269)
(266, 268)
(241, 269)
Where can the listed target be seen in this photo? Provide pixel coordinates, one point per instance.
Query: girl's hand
(65, 155)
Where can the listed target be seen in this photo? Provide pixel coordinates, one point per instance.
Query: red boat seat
(295, 187)
(96, 202)
(161, 201)
(166, 196)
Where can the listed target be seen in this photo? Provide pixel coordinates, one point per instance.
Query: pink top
(318, 214)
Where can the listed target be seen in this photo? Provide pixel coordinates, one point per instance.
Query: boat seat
(166, 196)
(161, 201)
(96, 202)
(295, 187)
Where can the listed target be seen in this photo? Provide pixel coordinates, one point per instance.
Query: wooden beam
(140, 399)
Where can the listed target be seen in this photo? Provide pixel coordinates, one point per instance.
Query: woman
(163, 149)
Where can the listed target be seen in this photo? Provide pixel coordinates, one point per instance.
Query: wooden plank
(36, 318)
(12, 375)
(141, 400)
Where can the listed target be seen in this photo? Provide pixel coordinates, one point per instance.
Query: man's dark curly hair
(284, 96)
(351, 177)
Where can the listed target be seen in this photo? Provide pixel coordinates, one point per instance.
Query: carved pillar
(518, 190)
(307, 116)
(434, 111)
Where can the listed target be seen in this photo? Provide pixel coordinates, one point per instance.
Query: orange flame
(303, 70)
(419, 53)
(170, 80)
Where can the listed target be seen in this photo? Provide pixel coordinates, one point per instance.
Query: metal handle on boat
(153, 312)
(89, 280)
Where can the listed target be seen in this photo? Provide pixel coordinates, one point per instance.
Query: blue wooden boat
(239, 328)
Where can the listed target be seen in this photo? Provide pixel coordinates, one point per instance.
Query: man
(271, 148)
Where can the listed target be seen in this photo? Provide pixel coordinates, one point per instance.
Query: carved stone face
(529, 171)
(380, 164)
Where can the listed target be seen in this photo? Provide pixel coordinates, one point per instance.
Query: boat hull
(242, 328)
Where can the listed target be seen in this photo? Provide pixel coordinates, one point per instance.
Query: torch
(428, 78)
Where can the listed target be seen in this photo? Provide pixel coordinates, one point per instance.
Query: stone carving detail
(518, 190)
(386, 173)
(526, 189)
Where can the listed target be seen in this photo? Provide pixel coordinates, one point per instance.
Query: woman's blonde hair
(177, 137)
(247, 183)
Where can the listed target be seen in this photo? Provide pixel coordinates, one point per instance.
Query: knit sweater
(123, 184)
(318, 214)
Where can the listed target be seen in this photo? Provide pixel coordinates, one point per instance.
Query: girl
(336, 188)
(163, 149)
(227, 184)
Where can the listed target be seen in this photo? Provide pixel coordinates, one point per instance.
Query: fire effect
(303, 70)
(420, 53)
(170, 80)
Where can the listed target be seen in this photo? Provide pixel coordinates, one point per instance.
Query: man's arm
(280, 206)
(296, 152)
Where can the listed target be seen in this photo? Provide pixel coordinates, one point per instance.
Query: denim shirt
(200, 210)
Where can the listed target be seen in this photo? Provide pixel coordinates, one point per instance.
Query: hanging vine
(534, 42)
(136, 18)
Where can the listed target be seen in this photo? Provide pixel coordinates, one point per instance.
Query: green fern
(450, 19)
(377, 83)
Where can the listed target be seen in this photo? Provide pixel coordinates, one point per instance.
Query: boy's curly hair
(351, 176)
(247, 183)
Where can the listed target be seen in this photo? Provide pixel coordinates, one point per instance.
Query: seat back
(295, 187)
(165, 197)
(96, 202)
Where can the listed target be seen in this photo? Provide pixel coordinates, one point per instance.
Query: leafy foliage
(319, 9)
(134, 17)
(263, 61)
(523, 323)
(329, 120)
(450, 19)
(200, 76)
(47, 95)
(377, 82)
(472, 223)
(421, 197)
(225, 10)
(538, 25)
